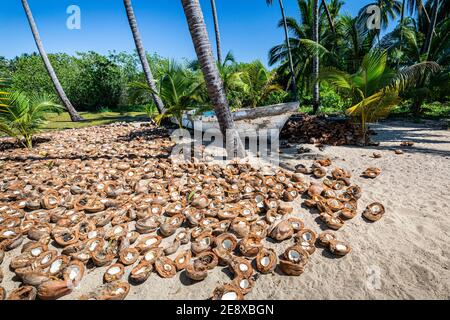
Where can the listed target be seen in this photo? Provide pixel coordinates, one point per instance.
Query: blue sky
(248, 27)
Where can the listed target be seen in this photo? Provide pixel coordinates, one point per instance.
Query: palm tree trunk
(288, 44)
(214, 84)
(315, 63)
(330, 20)
(402, 18)
(217, 31)
(142, 56)
(51, 72)
(427, 45)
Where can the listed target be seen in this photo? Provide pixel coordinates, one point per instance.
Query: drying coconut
(2, 293)
(374, 211)
(326, 237)
(114, 273)
(372, 172)
(128, 256)
(111, 291)
(2, 256)
(54, 289)
(227, 292)
(183, 259)
(339, 248)
(196, 271)
(141, 272)
(266, 260)
(245, 285)
(281, 230)
(165, 267)
(58, 265)
(23, 293)
(294, 261)
(250, 245)
(241, 267)
(208, 258)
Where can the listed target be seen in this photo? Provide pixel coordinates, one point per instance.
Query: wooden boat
(260, 118)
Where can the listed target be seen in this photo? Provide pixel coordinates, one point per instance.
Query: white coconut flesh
(151, 241)
(167, 267)
(178, 207)
(149, 256)
(295, 225)
(113, 271)
(73, 273)
(227, 244)
(181, 260)
(92, 234)
(55, 266)
(118, 230)
(244, 284)
(229, 296)
(341, 247)
(118, 291)
(155, 210)
(307, 236)
(129, 256)
(293, 255)
(9, 233)
(52, 201)
(246, 212)
(205, 241)
(265, 261)
(243, 267)
(46, 259)
(141, 270)
(36, 251)
(93, 246)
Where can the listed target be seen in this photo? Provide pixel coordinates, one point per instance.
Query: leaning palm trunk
(427, 45)
(288, 44)
(329, 18)
(51, 72)
(214, 84)
(315, 62)
(142, 56)
(217, 32)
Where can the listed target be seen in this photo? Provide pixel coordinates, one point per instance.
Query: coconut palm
(142, 56)
(374, 88)
(217, 31)
(259, 83)
(431, 28)
(316, 61)
(59, 89)
(288, 45)
(411, 46)
(214, 84)
(22, 116)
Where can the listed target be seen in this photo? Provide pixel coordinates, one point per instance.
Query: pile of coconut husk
(302, 128)
(110, 198)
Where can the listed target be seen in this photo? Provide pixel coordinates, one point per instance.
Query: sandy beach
(405, 255)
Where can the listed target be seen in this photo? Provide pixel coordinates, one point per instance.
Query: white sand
(405, 255)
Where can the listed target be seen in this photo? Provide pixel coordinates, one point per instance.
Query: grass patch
(62, 121)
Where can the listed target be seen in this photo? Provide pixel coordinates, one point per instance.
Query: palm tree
(316, 62)
(375, 89)
(59, 89)
(22, 116)
(286, 35)
(259, 83)
(431, 29)
(142, 56)
(217, 31)
(214, 84)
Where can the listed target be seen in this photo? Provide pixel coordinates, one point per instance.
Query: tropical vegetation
(328, 60)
